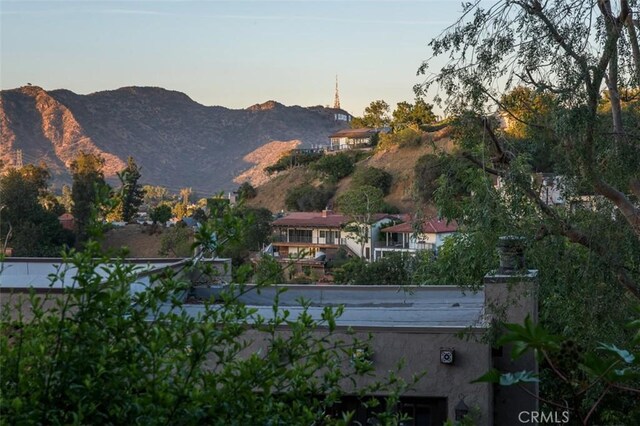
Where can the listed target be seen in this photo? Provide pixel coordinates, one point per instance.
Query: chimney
(510, 295)
(326, 212)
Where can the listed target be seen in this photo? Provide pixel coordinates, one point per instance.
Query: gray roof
(409, 308)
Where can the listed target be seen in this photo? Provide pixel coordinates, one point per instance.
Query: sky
(228, 53)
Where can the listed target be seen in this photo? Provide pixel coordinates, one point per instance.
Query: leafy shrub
(427, 170)
(176, 241)
(246, 191)
(372, 176)
(393, 269)
(308, 198)
(404, 137)
(335, 166)
(292, 159)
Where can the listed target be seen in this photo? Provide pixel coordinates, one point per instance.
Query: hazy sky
(229, 53)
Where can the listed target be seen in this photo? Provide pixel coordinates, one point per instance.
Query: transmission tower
(336, 100)
(19, 162)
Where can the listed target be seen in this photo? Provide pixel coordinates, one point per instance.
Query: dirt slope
(399, 162)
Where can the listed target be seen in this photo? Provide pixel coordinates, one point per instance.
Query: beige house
(411, 238)
(351, 138)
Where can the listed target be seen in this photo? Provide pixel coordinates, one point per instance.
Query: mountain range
(176, 141)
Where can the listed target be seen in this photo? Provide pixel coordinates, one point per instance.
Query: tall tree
(88, 179)
(360, 205)
(413, 115)
(28, 223)
(574, 55)
(574, 60)
(131, 192)
(376, 115)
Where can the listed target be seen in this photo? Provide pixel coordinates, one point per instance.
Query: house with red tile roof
(309, 235)
(408, 237)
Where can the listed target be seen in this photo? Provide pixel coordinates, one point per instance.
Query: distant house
(351, 138)
(405, 238)
(319, 235)
(306, 234)
(67, 221)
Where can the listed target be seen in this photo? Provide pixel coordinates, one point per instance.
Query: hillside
(398, 161)
(177, 142)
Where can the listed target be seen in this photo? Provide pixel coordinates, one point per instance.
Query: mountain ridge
(177, 141)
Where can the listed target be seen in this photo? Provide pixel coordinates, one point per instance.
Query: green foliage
(269, 271)
(160, 214)
(376, 116)
(414, 115)
(607, 369)
(335, 167)
(427, 170)
(360, 205)
(252, 235)
(292, 159)
(131, 193)
(372, 176)
(155, 195)
(307, 197)
(246, 191)
(26, 225)
(403, 138)
(88, 182)
(393, 269)
(97, 354)
(176, 241)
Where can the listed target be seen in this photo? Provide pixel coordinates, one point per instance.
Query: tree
(335, 167)
(88, 181)
(412, 115)
(575, 62)
(66, 198)
(131, 193)
(308, 198)
(246, 191)
(27, 224)
(376, 115)
(155, 195)
(161, 214)
(548, 51)
(372, 176)
(427, 170)
(360, 205)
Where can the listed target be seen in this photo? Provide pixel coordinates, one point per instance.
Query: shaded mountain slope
(177, 142)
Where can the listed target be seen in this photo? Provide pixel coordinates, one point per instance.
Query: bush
(335, 166)
(246, 191)
(404, 137)
(393, 269)
(176, 241)
(307, 198)
(428, 169)
(372, 176)
(292, 159)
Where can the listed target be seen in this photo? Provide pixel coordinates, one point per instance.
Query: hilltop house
(408, 238)
(351, 138)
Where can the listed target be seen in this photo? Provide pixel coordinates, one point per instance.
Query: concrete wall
(420, 351)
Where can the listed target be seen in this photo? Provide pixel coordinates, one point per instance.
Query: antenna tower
(19, 163)
(336, 99)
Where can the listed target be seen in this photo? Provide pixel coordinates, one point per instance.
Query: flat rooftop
(409, 308)
(25, 273)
